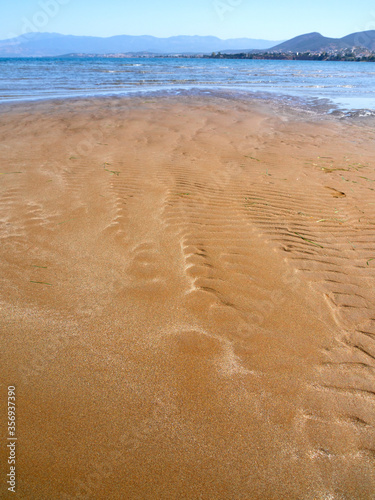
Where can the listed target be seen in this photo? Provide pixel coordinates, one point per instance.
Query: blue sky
(267, 19)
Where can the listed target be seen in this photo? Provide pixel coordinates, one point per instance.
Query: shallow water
(318, 84)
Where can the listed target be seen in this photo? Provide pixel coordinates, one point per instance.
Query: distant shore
(297, 56)
(264, 55)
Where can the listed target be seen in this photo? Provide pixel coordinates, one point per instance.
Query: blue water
(343, 85)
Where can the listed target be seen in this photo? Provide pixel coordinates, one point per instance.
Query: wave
(303, 80)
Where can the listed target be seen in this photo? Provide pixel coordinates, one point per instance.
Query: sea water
(334, 86)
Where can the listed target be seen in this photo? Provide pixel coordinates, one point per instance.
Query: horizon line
(170, 36)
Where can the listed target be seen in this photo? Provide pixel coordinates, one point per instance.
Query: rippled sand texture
(188, 300)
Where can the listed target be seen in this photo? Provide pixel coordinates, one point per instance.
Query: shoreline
(321, 105)
(188, 299)
(346, 88)
(317, 108)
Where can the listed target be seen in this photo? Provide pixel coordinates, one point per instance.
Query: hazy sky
(267, 19)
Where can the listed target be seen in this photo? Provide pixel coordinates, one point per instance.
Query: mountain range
(315, 42)
(54, 44)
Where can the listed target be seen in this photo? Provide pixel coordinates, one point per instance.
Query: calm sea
(331, 85)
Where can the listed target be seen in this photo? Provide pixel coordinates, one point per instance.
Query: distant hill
(54, 44)
(315, 42)
(361, 39)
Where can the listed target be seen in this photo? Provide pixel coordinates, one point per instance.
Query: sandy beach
(187, 300)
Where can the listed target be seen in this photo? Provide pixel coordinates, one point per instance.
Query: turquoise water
(343, 85)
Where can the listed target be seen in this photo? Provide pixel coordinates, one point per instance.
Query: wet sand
(187, 298)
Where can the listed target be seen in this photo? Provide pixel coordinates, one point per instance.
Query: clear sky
(267, 19)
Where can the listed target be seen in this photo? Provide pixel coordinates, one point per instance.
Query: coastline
(326, 87)
(299, 107)
(188, 298)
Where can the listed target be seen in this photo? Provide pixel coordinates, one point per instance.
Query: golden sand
(187, 298)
